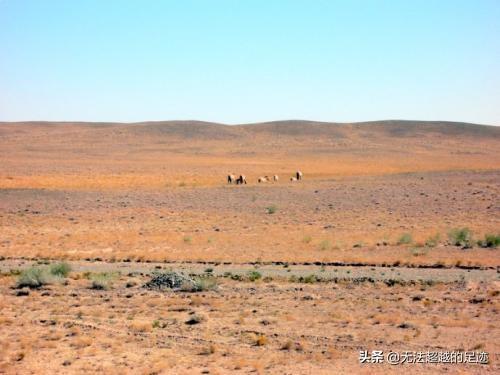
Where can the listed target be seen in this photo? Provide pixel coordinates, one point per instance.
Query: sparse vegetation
(405, 239)
(38, 276)
(60, 269)
(325, 245)
(187, 239)
(307, 239)
(35, 277)
(417, 252)
(433, 241)
(309, 279)
(200, 284)
(489, 241)
(271, 209)
(461, 237)
(254, 275)
(101, 280)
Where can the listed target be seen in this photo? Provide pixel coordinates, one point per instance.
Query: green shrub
(433, 241)
(490, 240)
(325, 245)
(271, 209)
(35, 277)
(309, 279)
(101, 280)
(60, 269)
(405, 239)
(418, 252)
(460, 237)
(200, 284)
(254, 275)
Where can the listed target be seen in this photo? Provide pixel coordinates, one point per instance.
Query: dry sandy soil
(375, 194)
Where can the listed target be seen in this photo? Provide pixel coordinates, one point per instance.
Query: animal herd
(232, 179)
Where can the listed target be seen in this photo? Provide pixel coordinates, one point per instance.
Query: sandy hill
(294, 128)
(200, 152)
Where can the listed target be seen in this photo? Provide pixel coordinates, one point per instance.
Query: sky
(247, 61)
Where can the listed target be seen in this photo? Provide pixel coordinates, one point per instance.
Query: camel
(231, 178)
(299, 175)
(241, 180)
(275, 178)
(262, 179)
(293, 179)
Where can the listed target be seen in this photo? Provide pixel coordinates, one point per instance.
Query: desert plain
(382, 246)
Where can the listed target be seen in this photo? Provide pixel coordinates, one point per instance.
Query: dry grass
(232, 333)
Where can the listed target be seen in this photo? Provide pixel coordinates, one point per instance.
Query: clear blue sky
(247, 61)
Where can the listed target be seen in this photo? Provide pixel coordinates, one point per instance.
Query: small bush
(200, 284)
(35, 277)
(418, 252)
(433, 241)
(490, 240)
(254, 275)
(405, 239)
(325, 245)
(271, 209)
(460, 237)
(101, 281)
(309, 279)
(60, 269)
(307, 239)
(187, 239)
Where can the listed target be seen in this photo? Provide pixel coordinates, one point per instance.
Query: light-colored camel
(275, 178)
(231, 178)
(293, 179)
(299, 175)
(262, 179)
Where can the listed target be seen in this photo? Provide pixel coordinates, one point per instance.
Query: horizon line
(243, 123)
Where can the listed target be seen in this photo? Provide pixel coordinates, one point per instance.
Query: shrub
(432, 241)
(325, 245)
(35, 277)
(405, 239)
(490, 240)
(307, 239)
(60, 269)
(309, 279)
(187, 239)
(200, 284)
(418, 252)
(460, 237)
(101, 280)
(254, 275)
(271, 209)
